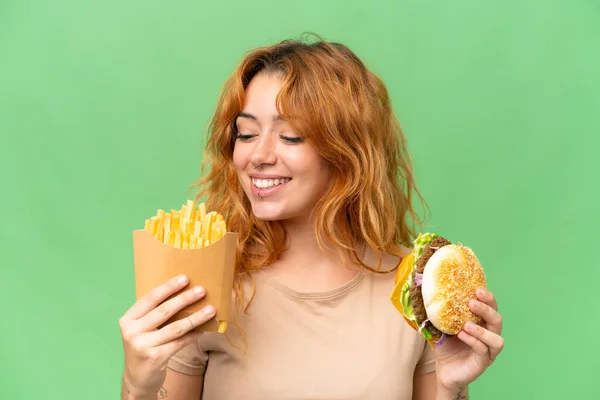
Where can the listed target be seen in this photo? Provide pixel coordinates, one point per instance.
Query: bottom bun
(450, 279)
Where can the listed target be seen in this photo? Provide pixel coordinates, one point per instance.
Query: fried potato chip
(197, 227)
(188, 228)
(201, 211)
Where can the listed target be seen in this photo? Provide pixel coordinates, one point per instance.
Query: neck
(305, 267)
(303, 250)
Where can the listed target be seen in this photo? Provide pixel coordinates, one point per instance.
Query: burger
(434, 285)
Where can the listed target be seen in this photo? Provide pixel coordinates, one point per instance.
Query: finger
(487, 297)
(477, 345)
(176, 330)
(492, 318)
(156, 296)
(166, 310)
(161, 354)
(493, 341)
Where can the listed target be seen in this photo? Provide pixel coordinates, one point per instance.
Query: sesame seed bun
(450, 279)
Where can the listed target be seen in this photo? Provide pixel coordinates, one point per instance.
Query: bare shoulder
(405, 250)
(390, 262)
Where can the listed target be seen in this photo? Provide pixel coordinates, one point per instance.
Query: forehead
(251, 117)
(261, 95)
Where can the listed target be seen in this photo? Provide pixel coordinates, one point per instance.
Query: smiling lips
(266, 183)
(266, 186)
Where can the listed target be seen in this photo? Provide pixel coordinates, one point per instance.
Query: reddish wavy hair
(340, 107)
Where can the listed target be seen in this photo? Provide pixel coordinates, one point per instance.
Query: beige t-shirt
(348, 343)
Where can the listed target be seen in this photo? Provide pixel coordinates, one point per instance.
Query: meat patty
(428, 251)
(416, 296)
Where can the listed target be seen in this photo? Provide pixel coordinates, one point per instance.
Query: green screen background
(102, 110)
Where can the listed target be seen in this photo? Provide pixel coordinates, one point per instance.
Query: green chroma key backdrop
(102, 111)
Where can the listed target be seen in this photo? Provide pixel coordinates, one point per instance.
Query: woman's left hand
(462, 359)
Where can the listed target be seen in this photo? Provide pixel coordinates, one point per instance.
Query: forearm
(457, 394)
(127, 394)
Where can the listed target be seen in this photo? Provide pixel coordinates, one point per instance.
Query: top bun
(450, 279)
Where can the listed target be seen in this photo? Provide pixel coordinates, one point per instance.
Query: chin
(273, 212)
(266, 213)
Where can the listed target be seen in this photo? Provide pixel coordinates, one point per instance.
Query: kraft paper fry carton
(211, 267)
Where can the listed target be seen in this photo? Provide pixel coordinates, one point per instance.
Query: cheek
(304, 161)
(238, 159)
(324, 177)
(322, 172)
(313, 170)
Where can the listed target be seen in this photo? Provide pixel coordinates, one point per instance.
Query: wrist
(129, 392)
(140, 397)
(456, 393)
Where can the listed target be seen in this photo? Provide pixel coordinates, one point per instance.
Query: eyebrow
(252, 117)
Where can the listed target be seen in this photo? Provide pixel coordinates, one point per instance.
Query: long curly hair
(341, 108)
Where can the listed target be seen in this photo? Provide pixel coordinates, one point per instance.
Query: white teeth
(265, 183)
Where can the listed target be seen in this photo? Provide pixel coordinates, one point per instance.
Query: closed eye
(294, 140)
(244, 137)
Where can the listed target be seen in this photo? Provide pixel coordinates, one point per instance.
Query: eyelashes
(294, 140)
(248, 137)
(241, 137)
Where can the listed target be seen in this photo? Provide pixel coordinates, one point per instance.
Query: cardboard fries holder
(211, 267)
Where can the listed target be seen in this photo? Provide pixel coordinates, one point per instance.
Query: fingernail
(469, 326)
(209, 310)
(481, 292)
(473, 304)
(198, 290)
(182, 279)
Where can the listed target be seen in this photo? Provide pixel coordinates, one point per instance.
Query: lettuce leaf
(419, 244)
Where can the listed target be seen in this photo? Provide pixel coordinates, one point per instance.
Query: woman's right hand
(148, 349)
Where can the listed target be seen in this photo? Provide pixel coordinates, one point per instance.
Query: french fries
(188, 228)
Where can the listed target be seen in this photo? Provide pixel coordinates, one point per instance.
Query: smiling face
(282, 175)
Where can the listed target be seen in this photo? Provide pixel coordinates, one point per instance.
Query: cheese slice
(402, 274)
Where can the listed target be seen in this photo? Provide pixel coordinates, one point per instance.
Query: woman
(309, 166)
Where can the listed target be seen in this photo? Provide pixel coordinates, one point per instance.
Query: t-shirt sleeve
(191, 360)
(426, 363)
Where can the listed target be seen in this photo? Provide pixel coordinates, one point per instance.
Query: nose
(264, 150)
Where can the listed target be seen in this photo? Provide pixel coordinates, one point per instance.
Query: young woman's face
(282, 175)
